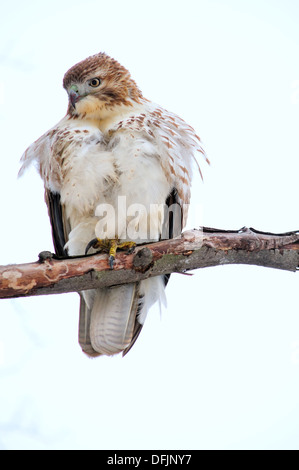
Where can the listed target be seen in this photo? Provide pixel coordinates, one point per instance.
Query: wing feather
(59, 223)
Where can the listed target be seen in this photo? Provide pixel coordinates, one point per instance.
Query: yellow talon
(110, 246)
(114, 246)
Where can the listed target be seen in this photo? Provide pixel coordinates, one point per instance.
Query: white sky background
(220, 368)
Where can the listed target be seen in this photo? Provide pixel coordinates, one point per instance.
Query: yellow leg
(110, 246)
(114, 246)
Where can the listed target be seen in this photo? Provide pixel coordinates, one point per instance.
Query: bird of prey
(111, 168)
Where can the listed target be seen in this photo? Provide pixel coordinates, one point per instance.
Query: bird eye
(94, 82)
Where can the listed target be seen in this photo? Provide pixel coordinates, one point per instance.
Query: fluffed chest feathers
(101, 173)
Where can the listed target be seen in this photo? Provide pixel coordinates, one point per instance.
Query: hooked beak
(74, 97)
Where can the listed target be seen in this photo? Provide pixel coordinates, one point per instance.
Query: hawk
(114, 155)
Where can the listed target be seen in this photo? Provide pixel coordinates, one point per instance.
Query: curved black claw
(111, 261)
(92, 244)
(131, 250)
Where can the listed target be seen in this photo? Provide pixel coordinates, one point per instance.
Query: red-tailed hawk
(111, 167)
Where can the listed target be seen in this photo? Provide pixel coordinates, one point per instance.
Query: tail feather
(111, 319)
(84, 328)
(137, 328)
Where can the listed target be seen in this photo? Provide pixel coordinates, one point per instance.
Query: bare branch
(194, 249)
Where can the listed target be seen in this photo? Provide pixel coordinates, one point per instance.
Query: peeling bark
(193, 250)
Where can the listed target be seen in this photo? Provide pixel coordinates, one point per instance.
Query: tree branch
(194, 249)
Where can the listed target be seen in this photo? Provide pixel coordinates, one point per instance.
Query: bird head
(99, 85)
